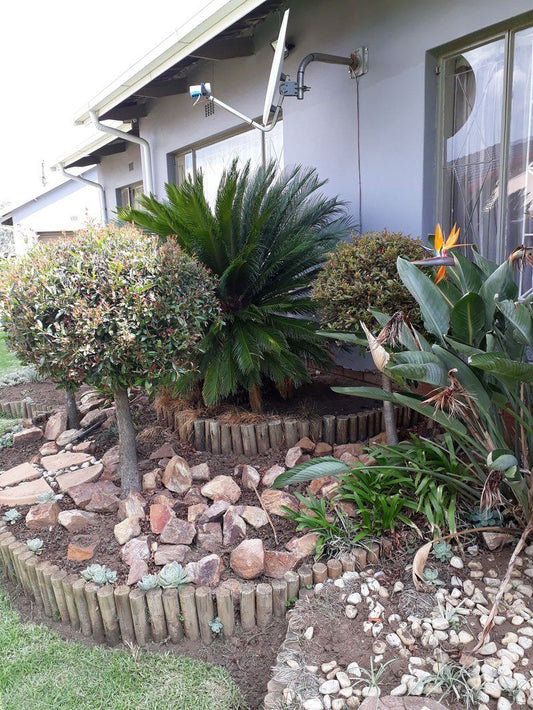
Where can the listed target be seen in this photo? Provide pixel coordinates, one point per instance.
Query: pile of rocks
(424, 648)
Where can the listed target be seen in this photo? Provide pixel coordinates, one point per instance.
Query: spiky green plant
(266, 237)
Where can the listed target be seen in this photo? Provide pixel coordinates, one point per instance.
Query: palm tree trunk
(130, 479)
(73, 419)
(256, 399)
(388, 413)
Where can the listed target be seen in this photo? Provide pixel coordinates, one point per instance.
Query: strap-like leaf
(317, 468)
(434, 308)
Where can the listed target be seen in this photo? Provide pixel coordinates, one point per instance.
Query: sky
(54, 57)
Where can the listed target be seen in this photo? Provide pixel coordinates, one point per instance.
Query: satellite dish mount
(357, 64)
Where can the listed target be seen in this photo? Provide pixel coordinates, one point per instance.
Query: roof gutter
(86, 181)
(146, 152)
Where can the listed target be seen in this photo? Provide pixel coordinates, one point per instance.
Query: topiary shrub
(110, 307)
(361, 274)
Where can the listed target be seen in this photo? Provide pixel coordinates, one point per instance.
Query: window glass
(473, 96)
(519, 219)
(214, 158)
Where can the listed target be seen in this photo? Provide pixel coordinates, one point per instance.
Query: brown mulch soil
(40, 393)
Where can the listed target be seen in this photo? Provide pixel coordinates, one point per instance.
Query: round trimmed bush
(361, 274)
(109, 307)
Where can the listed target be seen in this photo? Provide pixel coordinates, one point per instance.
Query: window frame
(505, 31)
(131, 187)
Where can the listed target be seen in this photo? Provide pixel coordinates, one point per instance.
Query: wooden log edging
(127, 614)
(277, 434)
(22, 409)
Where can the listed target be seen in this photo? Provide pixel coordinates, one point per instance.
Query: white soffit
(204, 26)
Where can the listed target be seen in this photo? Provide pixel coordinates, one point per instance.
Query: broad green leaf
(499, 284)
(344, 337)
(520, 316)
(469, 273)
(434, 308)
(462, 348)
(468, 319)
(414, 357)
(317, 468)
(430, 372)
(499, 366)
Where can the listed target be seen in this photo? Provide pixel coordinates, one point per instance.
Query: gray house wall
(397, 102)
(114, 172)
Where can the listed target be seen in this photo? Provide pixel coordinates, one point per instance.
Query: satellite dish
(275, 71)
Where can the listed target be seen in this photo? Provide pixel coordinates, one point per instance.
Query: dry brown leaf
(419, 562)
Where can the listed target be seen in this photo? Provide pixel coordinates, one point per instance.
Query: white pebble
(330, 686)
(456, 562)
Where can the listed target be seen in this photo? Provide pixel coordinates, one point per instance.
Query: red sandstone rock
(82, 494)
(76, 521)
(177, 476)
(111, 459)
(206, 572)
(138, 569)
(306, 445)
(49, 449)
(135, 549)
(170, 553)
(27, 435)
(273, 500)
(132, 506)
(160, 514)
(200, 472)
(126, 530)
(55, 425)
(209, 536)
(68, 436)
(323, 449)
(163, 452)
(354, 449)
(102, 502)
(84, 447)
(178, 532)
(303, 546)
(194, 512)
(151, 479)
(247, 560)
(271, 475)
(82, 548)
(234, 528)
(316, 485)
(254, 516)
(222, 488)
(215, 511)
(278, 563)
(295, 456)
(250, 477)
(194, 497)
(43, 515)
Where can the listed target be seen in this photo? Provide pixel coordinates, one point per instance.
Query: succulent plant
(99, 574)
(431, 577)
(216, 626)
(173, 575)
(442, 551)
(485, 518)
(11, 516)
(149, 581)
(36, 545)
(45, 497)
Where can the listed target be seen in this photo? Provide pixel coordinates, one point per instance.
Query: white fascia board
(204, 26)
(96, 142)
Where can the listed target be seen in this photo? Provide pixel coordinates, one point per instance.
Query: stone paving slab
(390, 702)
(57, 462)
(82, 475)
(17, 474)
(25, 493)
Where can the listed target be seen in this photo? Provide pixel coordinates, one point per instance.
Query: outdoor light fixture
(357, 64)
(288, 47)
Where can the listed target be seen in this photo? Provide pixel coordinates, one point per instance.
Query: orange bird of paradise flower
(442, 260)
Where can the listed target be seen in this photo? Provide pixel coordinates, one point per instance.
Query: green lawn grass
(39, 671)
(8, 361)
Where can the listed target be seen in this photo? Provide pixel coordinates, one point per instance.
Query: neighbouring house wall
(397, 111)
(64, 208)
(114, 172)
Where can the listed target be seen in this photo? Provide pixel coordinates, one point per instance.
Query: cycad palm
(265, 238)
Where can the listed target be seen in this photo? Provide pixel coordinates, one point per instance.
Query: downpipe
(91, 183)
